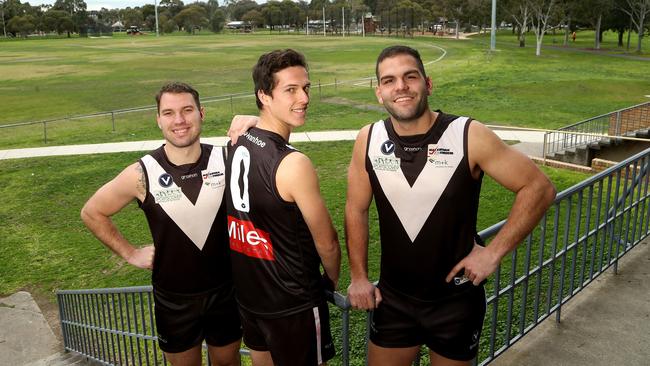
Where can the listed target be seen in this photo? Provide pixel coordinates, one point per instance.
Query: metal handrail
(589, 227)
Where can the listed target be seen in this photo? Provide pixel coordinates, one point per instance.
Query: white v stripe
(413, 205)
(195, 220)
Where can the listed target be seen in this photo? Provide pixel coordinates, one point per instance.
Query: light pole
(155, 2)
(4, 28)
(493, 32)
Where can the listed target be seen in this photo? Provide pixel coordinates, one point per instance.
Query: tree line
(537, 16)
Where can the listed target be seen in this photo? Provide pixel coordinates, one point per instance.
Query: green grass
(55, 78)
(46, 247)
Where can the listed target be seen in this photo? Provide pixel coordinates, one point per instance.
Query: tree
(21, 24)
(519, 11)
(237, 9)
(543, 13)
(132, 17)
(217, 20)
(77, 11)
(57, 21)
(254, 17)
(592, 12)
(191, 18)
(637, 10)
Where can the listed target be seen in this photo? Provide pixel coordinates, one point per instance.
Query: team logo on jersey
(165, 180)
(386, 163)
(387, 147)
(246, 239)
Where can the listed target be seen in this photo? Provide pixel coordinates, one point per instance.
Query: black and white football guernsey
(187, 220)
(276, 267)
(427, 202)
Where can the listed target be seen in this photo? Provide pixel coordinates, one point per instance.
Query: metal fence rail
(47, 124)
(589, 227)
(599, 128)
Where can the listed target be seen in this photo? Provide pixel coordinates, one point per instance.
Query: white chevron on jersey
(413, 205)
(195, 220)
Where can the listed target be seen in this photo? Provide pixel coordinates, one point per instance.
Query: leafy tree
(132, 17)
(237, 9)
(24, 25)
(57, 21)
(217, 20)
(592, 12)
(191, 18)
(638, 10)
(254, 17)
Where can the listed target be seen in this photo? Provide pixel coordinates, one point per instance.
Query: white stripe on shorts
(319, 355)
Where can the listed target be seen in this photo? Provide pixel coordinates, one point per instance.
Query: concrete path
(606, 324)
(25, 336)
(531, 143)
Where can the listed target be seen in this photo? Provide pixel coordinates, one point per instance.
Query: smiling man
(180, 188)
(424, 170)
(280, 230)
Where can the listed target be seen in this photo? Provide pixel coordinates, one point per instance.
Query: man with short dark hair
(180, 187)
(424, 170)
(280, 230)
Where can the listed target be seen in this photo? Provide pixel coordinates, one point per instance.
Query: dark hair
(176, 87)
(393, 51)
(270, 63)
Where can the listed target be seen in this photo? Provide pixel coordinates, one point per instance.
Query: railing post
(544, 148)
(113, 120)
(45, 132)
(618, 124)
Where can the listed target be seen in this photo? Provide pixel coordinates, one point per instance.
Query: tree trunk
(597, 33)
(620, 32)
(566, 31)
(457, 28)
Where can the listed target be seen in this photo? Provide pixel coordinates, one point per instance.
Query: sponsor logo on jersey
(254, 139)
(188, 176)
(412, 148)
(439, 163)
(385, 163)
(387, 147)
(431, 150)
(214, 179)
(167, 195)
(165, 180)
(246, 239)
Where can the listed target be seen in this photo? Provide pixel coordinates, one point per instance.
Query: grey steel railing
(600, 128)
(587, 230)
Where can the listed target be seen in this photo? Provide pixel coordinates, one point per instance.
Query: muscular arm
(534, 193)
(107, 201)
(361, 292)
(297, 182)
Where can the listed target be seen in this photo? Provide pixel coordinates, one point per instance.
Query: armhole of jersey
(276, 193)
(466, 148)
(146, 181)
(366, 158)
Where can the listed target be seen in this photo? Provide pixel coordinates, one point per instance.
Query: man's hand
(239, 125)
(142, 257)
(478, 265)
(364, 295)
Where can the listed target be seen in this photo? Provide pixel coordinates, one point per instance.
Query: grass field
(44, 245)
(45, 79)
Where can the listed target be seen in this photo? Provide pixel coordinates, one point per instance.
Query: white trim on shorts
(319, 355)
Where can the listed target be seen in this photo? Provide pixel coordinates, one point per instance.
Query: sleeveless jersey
(186, 216)
(276, 267)
(427, 202)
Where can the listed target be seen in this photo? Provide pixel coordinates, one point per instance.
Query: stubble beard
(409, 116)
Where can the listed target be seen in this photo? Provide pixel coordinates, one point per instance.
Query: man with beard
(180, 187)
(424, 170)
